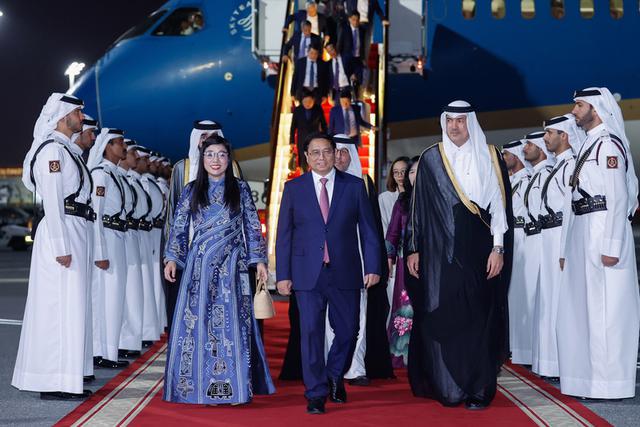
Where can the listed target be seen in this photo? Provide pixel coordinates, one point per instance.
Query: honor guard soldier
(52, 341)
(521, 296)
(599, 306)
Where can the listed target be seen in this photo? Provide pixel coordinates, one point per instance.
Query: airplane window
(468, 9)
(183, 21)
(142, 27)
(557, 9)
(498, 9)
(528, 9)
(616, 8)
(586, 9)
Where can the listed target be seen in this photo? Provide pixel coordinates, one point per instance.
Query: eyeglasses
(401, 172)
(219, 155)
(316, 154)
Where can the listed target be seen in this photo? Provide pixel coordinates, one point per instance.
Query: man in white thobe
(82, 142)
(598, 308)
(538, 160)
(52, 340)
(131, 332)
(150, 323)
(157, 218)
(561, 134)
(521, 297)
(110, 274)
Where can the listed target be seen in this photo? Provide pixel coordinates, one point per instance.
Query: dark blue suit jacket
(294, 42)
(336, 119)
(302, 234)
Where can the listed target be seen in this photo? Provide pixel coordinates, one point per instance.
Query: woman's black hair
(391, 182)
(405, 197)
(200, 194)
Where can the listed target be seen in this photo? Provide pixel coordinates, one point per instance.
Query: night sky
(38, 40)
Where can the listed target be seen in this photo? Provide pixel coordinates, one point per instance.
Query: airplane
(518, 63)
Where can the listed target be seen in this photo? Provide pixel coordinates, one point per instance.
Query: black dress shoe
(337, 393)
(61, 395)
(111, 364)
(361, 381)
(551, 379)
(147, 344)
(475, 405)
(128, 354)
(315, 407)
(96, 361)
(88, 378)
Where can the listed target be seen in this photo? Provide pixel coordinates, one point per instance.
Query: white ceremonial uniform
(533, 246)
(51, 352)
(158, 203)
(109, 286)
(521, 297)
(555, 197)
(131, 332)
(88, 355)
(386, 201)
(598, 308)
(150, 324)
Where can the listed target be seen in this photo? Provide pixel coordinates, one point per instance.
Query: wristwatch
(498, 249)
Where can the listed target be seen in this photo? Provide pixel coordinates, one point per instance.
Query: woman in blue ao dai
(215, 353)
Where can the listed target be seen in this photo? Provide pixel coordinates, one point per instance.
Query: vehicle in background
(15, 228)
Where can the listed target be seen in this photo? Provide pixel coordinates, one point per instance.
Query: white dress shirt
(331, 179)
(343, 79)
(314, 24)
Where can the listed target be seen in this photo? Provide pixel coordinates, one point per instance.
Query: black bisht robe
(377, 358)
(460, 328)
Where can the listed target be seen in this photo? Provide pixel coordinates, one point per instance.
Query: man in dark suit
(301, 42)
(318, 20)
(311, 73)
(317, 254)
(308, 118)
(346, 118)
(340, 72)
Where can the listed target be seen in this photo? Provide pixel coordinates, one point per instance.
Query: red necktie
(324, 208)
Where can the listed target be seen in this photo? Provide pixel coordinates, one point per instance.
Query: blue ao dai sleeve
(256, 246)
(177, 246)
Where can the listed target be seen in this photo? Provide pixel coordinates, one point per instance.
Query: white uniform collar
(567, 154)
(596, 130)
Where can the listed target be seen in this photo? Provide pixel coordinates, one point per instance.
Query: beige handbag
(262, 302)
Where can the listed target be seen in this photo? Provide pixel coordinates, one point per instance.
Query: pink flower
(402, 324)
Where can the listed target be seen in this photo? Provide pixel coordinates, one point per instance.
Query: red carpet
(134, 397)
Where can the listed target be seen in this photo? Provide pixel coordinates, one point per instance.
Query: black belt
(132, 223)
(532, 228)
(588, 205)
(518, 222)
(550, 221)
(158, 223)
(81, 210)
(145, 225)
(114, 223)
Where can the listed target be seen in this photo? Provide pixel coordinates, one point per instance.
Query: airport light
(73, 70)
(1, 13)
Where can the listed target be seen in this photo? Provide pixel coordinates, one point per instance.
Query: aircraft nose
(85, 89)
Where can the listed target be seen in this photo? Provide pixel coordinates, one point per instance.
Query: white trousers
(545, 342)
(598, 315)
(51, 352)
(161, 305)
(522, 293)
(109, 289)
(131, 332)
(150, 324)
